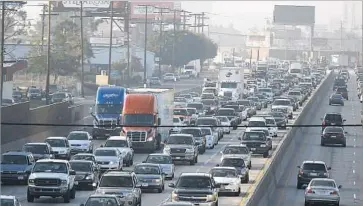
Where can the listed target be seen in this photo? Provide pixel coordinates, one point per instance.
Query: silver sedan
(322, 190)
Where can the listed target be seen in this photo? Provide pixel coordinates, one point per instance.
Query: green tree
(65, 50)
(187, 47)
(15, 21)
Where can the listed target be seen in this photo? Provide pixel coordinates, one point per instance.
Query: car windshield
(244, 103)
(81, 166)
(333, 117)
(281, 102)
(183, 112)
(180, 99)
(34, 91)
(147, 169)
(101, 201)
(209, 102)
(223, 119)
(254, 136)
(14, 159)
(225, 112)
(105, 152)
(223, 173)
(180, 140)
(50, 167)
(199, 182)
(210, 121)
(235, 150)
(108, 108)
(195, 132)
(257, 124)
(229, 162)
(159, 159)
(7, 202)
(206, 131)
(265, 90)
(56, 142)
(341, 89)
(294, 93)
(36, 149)
(322, 183)
(270, 121)
(334, 130)
(210, 84)
(207, 96)
(116, 181)
(83, 157)
(186, 96)
(229, 85)
(116, 143)
(196, 106)
(314, 166)
(337, 96)
(59, 95)
(209, 90)
(139, 119)
(253, 99)
(77, 136)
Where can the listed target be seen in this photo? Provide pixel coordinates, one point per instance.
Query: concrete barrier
(59, 113)
(274, 169)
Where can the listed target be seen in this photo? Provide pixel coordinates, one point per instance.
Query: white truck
(338, 60)
(165, 106)
(231, 82)
(296, 70)
(192, 68)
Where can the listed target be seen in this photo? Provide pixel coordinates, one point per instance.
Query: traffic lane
(345, 162)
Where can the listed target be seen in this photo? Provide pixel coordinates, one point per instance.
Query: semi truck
(107, 111)
(192, 68)
(339, 60)
(144, 110)
(230, 81)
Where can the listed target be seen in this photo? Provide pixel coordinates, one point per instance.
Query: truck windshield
(14, 159)
(108, 108)
(231, 85)
(139, 119)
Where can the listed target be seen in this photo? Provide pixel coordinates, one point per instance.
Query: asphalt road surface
(346, 163)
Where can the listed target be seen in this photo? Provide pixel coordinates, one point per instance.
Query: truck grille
(137, 136)
(9, 172)
(193, 198)
(103, 162)
(110, 124)
(177, 151)
(253, 145)
(47, 182)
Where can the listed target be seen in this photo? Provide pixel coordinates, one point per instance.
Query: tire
(322, 143)
(73, 193)
(247, 180)
(160, 190)
(344, 144)
(298, 185)
(265, 155)
(67, 197)
(237, 193)
(192, 162)
(196, 159)
(29, 197)
(132, 161)
(249, 166)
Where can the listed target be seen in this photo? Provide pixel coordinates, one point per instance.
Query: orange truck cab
(140, 116)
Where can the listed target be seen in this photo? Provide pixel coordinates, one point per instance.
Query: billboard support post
(48, 56)
(110, 46)
(82, 57)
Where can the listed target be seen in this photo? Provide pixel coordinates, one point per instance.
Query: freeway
(346, 163)
(206, 162)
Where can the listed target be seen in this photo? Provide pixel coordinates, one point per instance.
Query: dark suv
(333, 135)
(343, 91)
(309, 170)
(332, 119)
(198, 188)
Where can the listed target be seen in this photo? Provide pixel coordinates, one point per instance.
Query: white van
(296, 70)
(268, 92)
(256, 123)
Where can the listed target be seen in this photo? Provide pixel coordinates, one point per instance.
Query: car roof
(8, 197)
(61, 138)
(17, 153)
(159, 154)
(177, 204)
(148, 164)
(52, 160)
(107, 148)
(233, 157)
(79, 132)
(117, 138)
(193, 174)
(84, 154)
(118, 173)
(196, 128)
(226, 168)
(237, 145)
(36, 143)
(257, 119)
(180, 135)
(102, 195)
(81, 161)
(313, 162)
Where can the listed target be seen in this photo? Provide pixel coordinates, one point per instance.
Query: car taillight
(301, 172)
(309, 191)
(323, 123)
(334, 193)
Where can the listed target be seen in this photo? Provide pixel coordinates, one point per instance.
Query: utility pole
(82, 55)
(198, 25)
(174, 37)
(203, 22)
(3, 72)
(127, 30)
(145, 46)
(110, 48)
(341, 35)
(161, 12)
(233, 56)
(43, 27)
(48, 55)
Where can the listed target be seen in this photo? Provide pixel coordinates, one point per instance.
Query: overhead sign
(138, 10)
(294, 15)
(86, 4)
(92, 8)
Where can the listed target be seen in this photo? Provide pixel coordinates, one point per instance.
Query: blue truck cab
(16, 166)
(107, 111)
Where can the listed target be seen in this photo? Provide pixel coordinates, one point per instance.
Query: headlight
(129, 196)
(64, 182)
(62, 152)
(157, 180)
(31, 181)
(174, 196)
(89, 177)
(189, 150)
(85, 145)
(111, 163)
(167, 150)
(210, 198)
(262, 145)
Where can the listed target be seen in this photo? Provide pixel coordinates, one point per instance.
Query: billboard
(92, 8)
(138, 10)
(294, 15)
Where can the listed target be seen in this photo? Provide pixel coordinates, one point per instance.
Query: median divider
(260, 194)
(58, 113)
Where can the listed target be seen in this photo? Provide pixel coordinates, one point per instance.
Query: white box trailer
(165, 104)
(230, 81)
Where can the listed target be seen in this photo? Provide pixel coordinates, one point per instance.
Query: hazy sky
(246, 14)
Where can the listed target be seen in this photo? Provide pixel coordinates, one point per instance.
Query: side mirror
(217, 165)
(217, 185)
(340, 187)
(101, 145)
(344, 120)
(239, 138)
(143, 161)
(298, 167)
(72, 172)
(329, 168)
(28, 172)
(321, 119)
(137, 185)
(171, 185)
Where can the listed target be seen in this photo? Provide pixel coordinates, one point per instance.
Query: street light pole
(110, 48)
(174, 37)
(82, 55)
(48, 56)
(145, 47)
(3, 72)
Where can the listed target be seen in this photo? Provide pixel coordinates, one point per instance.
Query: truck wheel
(73, 193)
(265, 155)
(67, 197)
(192, 162)
(29, 197)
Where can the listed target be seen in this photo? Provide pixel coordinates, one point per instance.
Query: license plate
(144, 185)
(332, 123)
(178, 158)
(313, 174)
(333, 136)
(253, 149)
(20, 178)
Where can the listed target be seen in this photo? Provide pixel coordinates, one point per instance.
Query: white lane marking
(353, 161)
(353, 171)
(354, 139)
(353, 153)
(353, 182)
(355, 197)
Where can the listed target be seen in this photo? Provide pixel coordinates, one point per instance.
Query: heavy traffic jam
(253, 108)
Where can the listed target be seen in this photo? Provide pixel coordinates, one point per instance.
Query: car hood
(244, 156)
(180, 146)
(14, 167)
(229, 180)
(120, 191)
(81, 142)
(255, 128)
(193, 191)
(59, 149)
(49, 175)
(106, 158)
(147, 177)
